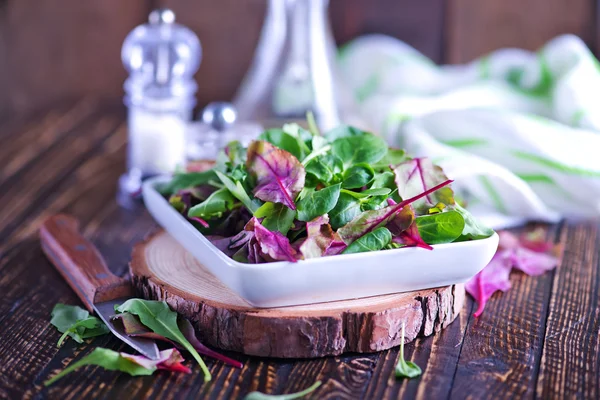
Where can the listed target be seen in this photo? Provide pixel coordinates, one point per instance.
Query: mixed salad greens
(297, 194)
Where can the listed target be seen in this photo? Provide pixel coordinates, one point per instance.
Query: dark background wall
(52, 50)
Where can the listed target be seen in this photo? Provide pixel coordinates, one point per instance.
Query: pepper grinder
(161, 57)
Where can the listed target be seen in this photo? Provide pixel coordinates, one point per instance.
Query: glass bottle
(293, 70)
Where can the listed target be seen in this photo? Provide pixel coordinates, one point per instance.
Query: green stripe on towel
(466, 142)
(491, 190)
(555, 165)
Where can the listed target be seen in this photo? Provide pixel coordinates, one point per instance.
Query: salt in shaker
(161, 57)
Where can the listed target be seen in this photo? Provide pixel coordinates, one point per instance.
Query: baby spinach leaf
(392, 158)
(284, 141)
(215, 205)
(318, 202)
(277, 217)
(279, 175)
(290, 396)
(134, 365)
(325, 167)
(357, 176)
(343, 131)
(384, 180)
(373, 202)
(346, 209)
(187, 180)
(372, 241)
(76, 322)
(368, 192)
(238, 191)
(157, 316)
(359, 149)
(474, 229)
(406, 369)
(440, 228)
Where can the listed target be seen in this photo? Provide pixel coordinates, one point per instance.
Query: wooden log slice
(162, 270)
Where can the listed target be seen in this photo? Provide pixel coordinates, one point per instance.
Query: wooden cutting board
(163, 270)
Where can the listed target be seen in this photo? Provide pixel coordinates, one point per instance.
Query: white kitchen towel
(519, 131)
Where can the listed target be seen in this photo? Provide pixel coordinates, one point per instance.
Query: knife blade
(85, 270)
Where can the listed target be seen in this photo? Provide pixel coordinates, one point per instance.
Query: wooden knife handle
(80, 262)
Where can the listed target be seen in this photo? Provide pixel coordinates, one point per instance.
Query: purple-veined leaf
(133, 327)
(402, 220)
(335, 247)
(411, 238)
(169, 359)
(134, 365)
(188, 331)
(182, 202)
(513, 252)
(319, 239)
(529, 253)
(273, 244)
(494, 277)
(372, 219)
(279, 175)
(416, 176)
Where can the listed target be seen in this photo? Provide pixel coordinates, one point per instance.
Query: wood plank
(502, 348)
(68, 50)
(40, 177)
(474, 27)
(39, 133)
(570, 365)
(418, 23)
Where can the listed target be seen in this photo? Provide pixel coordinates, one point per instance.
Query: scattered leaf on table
(290, 396)
(76, 322)
(406, 369)
(494, 277)
(157, 316)
(511, 253)
(134, 365)
(279, 175)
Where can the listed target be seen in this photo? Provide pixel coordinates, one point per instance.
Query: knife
(85, 270)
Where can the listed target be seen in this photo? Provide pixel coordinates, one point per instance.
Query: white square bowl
(340, 277)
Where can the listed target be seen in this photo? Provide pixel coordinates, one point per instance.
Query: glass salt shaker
(216, 126)
(161, 57)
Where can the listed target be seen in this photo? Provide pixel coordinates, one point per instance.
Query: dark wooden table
(541, 339)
